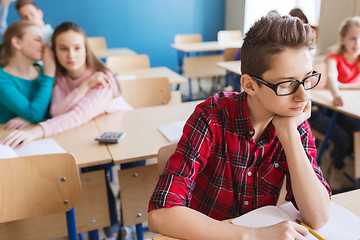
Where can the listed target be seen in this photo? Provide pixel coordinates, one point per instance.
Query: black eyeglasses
(291, 86)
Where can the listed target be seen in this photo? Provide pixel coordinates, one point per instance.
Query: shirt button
(276, 165)
(251, 132)
(246, 203)
(249, 174)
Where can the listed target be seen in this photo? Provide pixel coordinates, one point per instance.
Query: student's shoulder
(222, 100)
(222, 103)
(334, 56)
(6, 78)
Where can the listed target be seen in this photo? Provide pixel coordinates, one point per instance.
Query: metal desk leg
(327, 136)
(71, 226)
(139, 231)
(93, 235)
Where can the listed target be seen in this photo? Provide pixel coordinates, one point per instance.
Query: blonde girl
(25, 87)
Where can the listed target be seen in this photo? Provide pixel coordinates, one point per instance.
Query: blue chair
(40, 185)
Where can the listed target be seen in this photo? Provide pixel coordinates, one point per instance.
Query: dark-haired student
(236, 148)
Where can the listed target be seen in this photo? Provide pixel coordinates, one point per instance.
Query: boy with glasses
(236, 148)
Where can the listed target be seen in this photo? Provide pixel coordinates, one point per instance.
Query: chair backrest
(163, 156)
(203, 66)
(226, 36)
(117, 63)
(230, 53)
(38, 185)
(146, 92)
(187, 38)
(97, 43)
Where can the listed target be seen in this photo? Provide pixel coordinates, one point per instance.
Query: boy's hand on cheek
(285, 123)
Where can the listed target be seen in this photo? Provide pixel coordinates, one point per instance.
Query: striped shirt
(218, 168)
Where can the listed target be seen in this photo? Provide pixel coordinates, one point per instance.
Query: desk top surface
(143, 139)
(232, 66)
(174, 78)
(349, 200)
(80, 142)
(113, 51)
(351, 98)
(206, 46)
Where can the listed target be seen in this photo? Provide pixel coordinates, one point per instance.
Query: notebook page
(342, 224)
(39, 147)
(172, 131)
(261, 217)
(7, 152)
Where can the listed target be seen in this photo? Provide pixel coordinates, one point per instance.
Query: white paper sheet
(39, 147)
(343, 224)
(172, 131)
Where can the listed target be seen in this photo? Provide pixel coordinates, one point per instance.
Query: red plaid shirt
(218, 168)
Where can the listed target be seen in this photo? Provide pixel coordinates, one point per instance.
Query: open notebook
(343, 224)
(39, 147)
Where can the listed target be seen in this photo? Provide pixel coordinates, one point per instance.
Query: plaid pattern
(219, 170)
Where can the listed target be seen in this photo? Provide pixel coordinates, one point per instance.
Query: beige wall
(234, 14)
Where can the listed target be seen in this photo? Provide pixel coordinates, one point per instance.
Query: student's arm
(32, 110)
(4, 9)
(64, 102)
(94, 104)
(332, 82)
(348, 86)
(311, 196)
(186, 223)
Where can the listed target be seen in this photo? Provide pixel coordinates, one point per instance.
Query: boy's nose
(301, 94)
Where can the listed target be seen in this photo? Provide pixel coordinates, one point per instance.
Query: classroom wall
(145, 26)
(234, 14)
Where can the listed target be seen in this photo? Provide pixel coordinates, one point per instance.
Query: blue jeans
(341, 135)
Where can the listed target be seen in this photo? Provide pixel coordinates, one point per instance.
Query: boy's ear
(248, 84)
(16, 43)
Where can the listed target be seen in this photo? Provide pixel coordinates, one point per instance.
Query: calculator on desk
(110, 137)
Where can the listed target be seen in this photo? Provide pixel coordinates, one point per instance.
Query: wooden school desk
(349, 200)
(174, 78)
(113, 51)
(351, 108)
(80, 142)
(232, 66)
(92, 211)
(143, 139)
(208, 46)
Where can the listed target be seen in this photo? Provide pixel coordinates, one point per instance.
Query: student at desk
(84, 88)
(236, 148)
(343, 72)
(25, 87)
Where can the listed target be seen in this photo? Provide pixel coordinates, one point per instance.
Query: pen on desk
(310, 230)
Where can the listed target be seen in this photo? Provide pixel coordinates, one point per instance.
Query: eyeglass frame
(275, 86)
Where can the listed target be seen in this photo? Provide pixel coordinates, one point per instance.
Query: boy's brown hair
(20, 3)
(269, 36)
